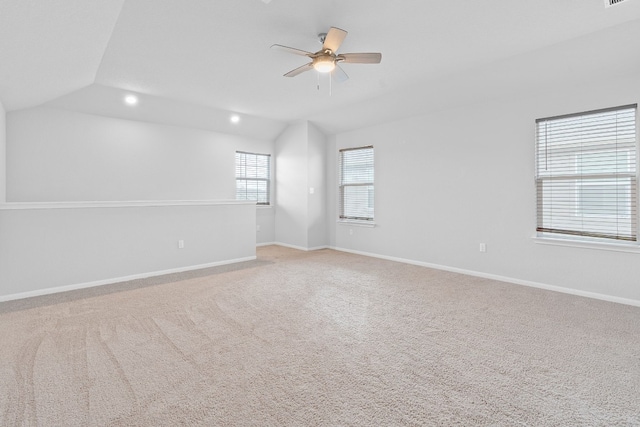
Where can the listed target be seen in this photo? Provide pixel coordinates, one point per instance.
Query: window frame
(583, 179)
(342, 186)
(254, 179)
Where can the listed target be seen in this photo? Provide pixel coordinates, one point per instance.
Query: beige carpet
(320, 338)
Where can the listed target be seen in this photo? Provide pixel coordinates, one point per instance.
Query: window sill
(264, 206)
(587, 244)
(356, 223)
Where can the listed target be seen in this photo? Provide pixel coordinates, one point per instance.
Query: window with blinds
(253, 174)
(356, 184)
(586, 174)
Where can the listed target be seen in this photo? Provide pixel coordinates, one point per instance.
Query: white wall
(447, 181)
(316, 179)
(266, 224)
(291, 186)
(3, 152)
(49, 246)
(301, 166)
(58, 155)
(331, 197)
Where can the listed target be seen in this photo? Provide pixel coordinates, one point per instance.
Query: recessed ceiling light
(131, 99)
(235, 118)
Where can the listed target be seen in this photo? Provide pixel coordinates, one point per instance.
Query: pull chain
(330, 82)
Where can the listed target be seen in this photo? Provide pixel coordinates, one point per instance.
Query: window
(356, 184)
(586, 174)
(253, 177)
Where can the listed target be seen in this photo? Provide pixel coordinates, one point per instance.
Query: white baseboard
(570, 291)
(66, 288)
(300, 248)
(265, 244)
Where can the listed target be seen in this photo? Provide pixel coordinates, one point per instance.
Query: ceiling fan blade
(360, 58)
(334, 39)
(291, 50)
(300, 70)
(339, 75)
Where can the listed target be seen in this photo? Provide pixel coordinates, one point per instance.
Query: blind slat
(356, 183)
(586, 174)
(253, 175)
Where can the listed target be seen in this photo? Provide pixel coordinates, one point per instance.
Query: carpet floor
(318, 339)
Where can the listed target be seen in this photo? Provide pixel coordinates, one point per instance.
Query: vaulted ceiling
(194, 62)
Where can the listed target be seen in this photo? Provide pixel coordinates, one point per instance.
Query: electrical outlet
(180, 244)
(258, 227)
(351, 232)
(483, 247)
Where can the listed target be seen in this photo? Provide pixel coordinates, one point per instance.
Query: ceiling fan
(326, 60)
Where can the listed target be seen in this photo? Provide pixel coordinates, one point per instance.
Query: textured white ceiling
(51, 47)
(214, 55)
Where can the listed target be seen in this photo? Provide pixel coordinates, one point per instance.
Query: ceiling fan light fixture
(326, 60)
(324, 64)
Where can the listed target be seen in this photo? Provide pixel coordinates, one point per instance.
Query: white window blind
(253, 177)
(586, 174)
(356, 183)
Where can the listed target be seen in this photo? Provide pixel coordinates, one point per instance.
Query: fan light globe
(131, 99)
(324, 64)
